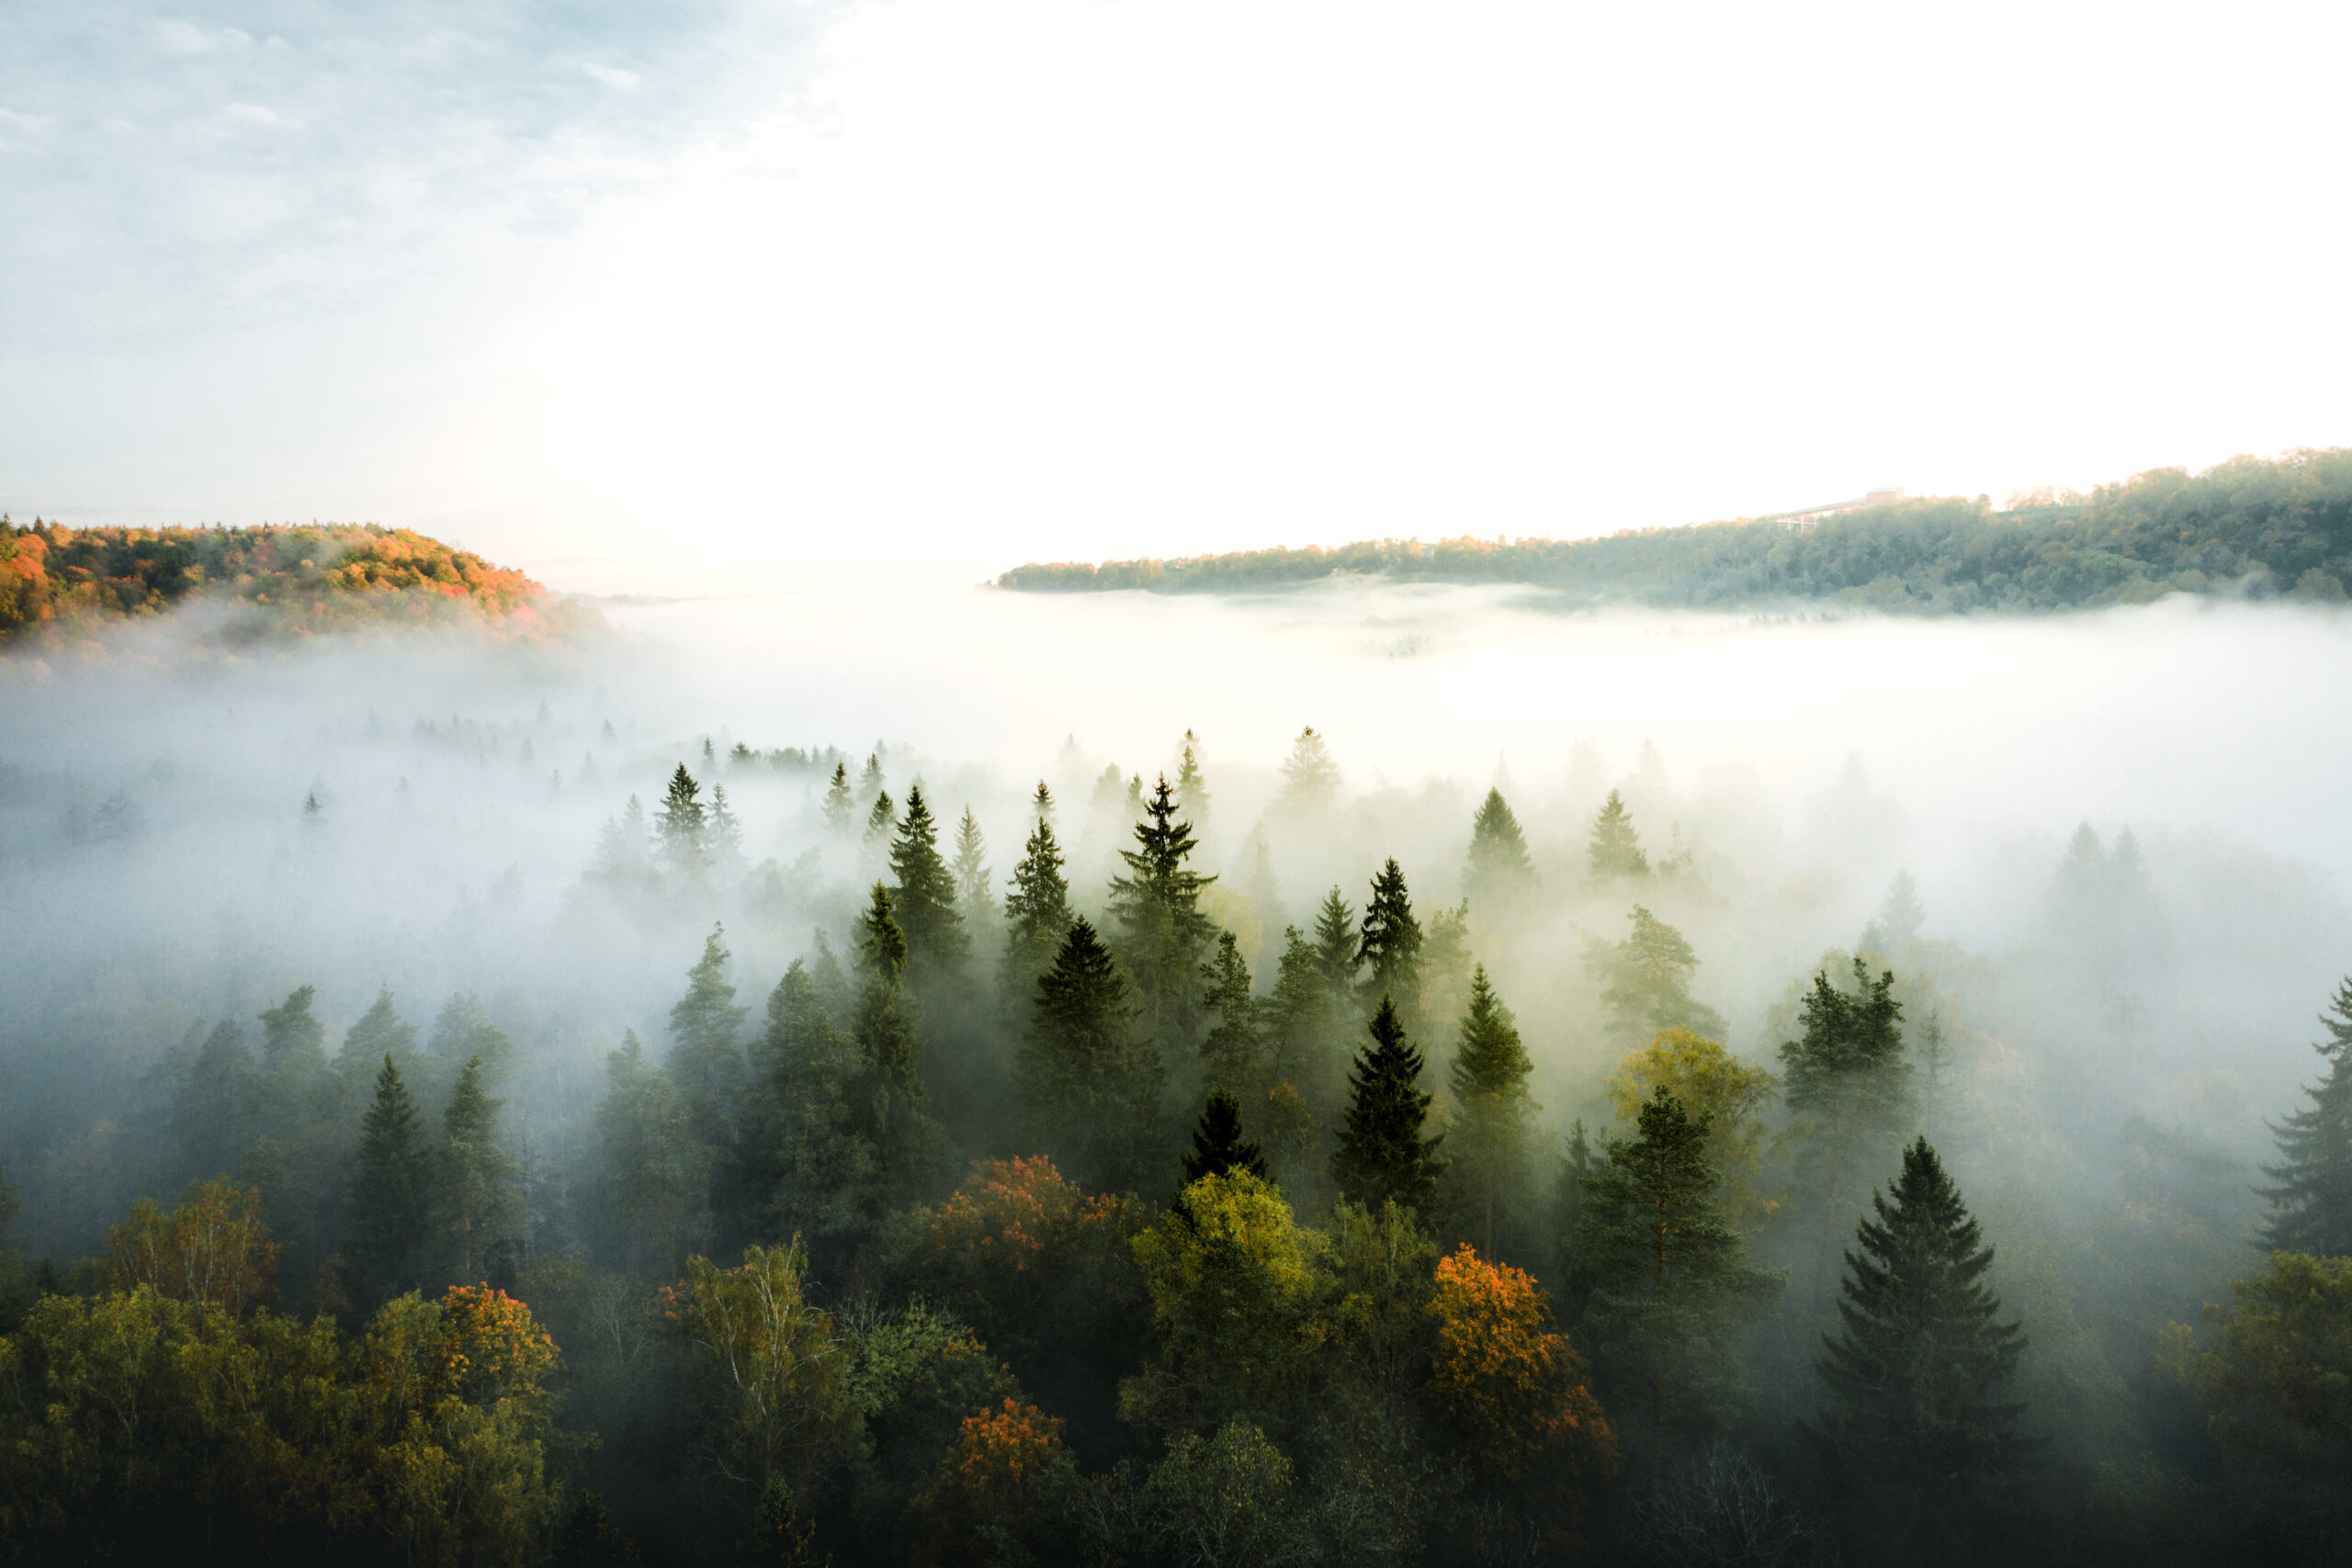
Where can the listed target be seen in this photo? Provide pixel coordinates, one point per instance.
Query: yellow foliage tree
(1710, 1081)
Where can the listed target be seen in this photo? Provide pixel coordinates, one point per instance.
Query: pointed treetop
(1310, 778)
(881, 943)
(1219, 1147)
(1382, 1155)
(1615, 849)
(1500, 867)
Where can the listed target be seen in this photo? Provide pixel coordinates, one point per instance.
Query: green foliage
(1233, 1055)
(482, 1196)
(1499, 874)
(683, 824)
(1037, 912)
(1647, 983)
(1218, 1147)
(1382, 1156)
(926, 894)
(1089, 1082)
(391, 1199)
(651, 1168)
(840, 806)
(818, 1171)
(706, 1055)
(1389, 948)
(1487, 1177)
(1226, 1499)
(1845, 1079)
(1161, 928)
(1310, 778)
(1615, 849)
(2311, 1195)
(2276, 1383)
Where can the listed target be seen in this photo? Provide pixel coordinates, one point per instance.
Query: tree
(1390, 945)
(1647, 982)
(1667, 1273)
(1192, 788)
(682, 823)
(706, 1055)
(971, 871)
(1232, 1054)
(381, 1033)
(881, 819)
(1899, 917)
(1615, 849)
(890, 1103)
(1711, 1083)
(1499, 874)
(391, 1191)
(1846, 1080)
(1513, 1391)
(213, 1249)
(1218, 1143)
(482, 1194)
(725, 834)
(1338, 951)
(1036, 911)
(1382, 1156)
(819, 1171)
(2275, 1384)
(1488, 1079)
(1310, 779)
(2311, 1200)
(1912, 1370)
(652, 1171)
(1161, 928)
(924, 898)
(1090, 1084)
(841, 806)
(1226, 1499)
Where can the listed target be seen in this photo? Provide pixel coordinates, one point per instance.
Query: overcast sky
(603, 287)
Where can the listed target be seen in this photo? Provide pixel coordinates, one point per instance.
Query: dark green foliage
(1912, 1370)
(2311, 1195)
(1615, 849)
(1499, 872)
(707, 1056)
(682, 823)
(391, 1194)
(890, 1103)
(1192, 785)
(1390, 946)
(881, 819)
(1488, 1078)
(1665, 1274)
(1338, 952)
(1218, 1143)
(816, 1170)
(1036, 911)
(1846, 1078)
(1161, 932)
(971, 868)
(925, 897)
(1382, 1156)
(652, 1172)
(481, 1205)
(1089, 1082)
(840, 806)
(1232, 1053)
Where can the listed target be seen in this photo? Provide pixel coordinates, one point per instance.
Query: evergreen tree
(973, 893)
(1089, 1082)
(651, 1170)
(381, 1033)
(290, 1155)
(1218, 1147)
(724, 828)
(1192, 788)
(1615, 849)
(924, 900)
(1232, 1054)
(1161, 928)
(1920, 1350)
(1499, 874)
(2311, 1201)
(1846, 1080)
(1310, 779)
(822, 1173)
(840, 807)
(706, 1053)
(1666, 1273)
(1338, 955)
(1488, 1079)
(1647, 983)
(392, 1193)
(882, 819)
(463, 1031)
(1305, 1058)
(890, 1103)
(1382, 1156)
(682, 823)
(869, 778)
(1390, 945)
(209, 1115)
(481, 1193)
(1036, 911)
(1899, 919)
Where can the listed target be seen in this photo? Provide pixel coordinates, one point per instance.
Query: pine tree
(822, 1174)
(1615, 849)
(1665, 1272)
(869, 778)
(1090, 1083)
(1192, 788)
(1161, 928)
(726, 828)
(841, 806)
(651, 1170)
(1499, 874)
(1846, 1079)
(882, 819)
(1218, 1147)
(1306, 1059)
(924, 900)
(1647, 984)
(1390, 945)
(890, 1103)
(381, 1033)
(2312, 1201)
(1488, 1079)
(682, 823)
(462, 1031)
(706, 1054)
(391, 1192)
(481, 1192)
(1920, 1350)
(1310, 779)
(971, 870)
(211, 1115)
(1232, 1053)
(1382, 1155)
(1036, 911)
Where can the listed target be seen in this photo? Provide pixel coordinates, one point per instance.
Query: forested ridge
(1030, 1215)
(285, 579)
(2252, 527)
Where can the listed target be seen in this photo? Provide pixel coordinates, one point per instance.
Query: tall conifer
(707, 1053)
(391, 1192)
(1232, 1052)
(1036, 911)
(682, 823)
(482, 1191)
(1390, 946)
(1382, 1154)
(2310, 1200)
(1615, 849)
(841, 806)
(1089, 1082)
(1499, 872)
(1488, 1079)
(924, 900)
(1218, 1145)
(1162, 932)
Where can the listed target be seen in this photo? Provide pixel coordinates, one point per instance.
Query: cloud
(254, 115)
(612, 76)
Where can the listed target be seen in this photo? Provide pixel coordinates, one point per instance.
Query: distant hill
(277, 580)
(2250, 526)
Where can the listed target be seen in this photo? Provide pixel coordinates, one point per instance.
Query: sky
(638, 295)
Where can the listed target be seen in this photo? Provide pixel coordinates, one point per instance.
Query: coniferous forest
(454, 1113)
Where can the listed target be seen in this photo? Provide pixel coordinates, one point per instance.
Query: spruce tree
(1390, 946)
(841, 806)
(823, 1175)
(1920, 1348)
(651, 1170)
(481, 1192)
(1846, 1080)
(1161, 931)
(1499, 874)
(1615, 849)
(869, 778)
(924, 902)
(882, 819)
(462, 1031)
(1192, 786)
(973, 893)
(1090, 1084)
(707, 1053)
(211, 1114)
(891, 1103)
(724, 829)
(682, 823)
(1036, 911)
(1382, 1155)
(1336, 955)
(1232, 1052)
(1488, 1079)
(1310, 779)
(2311, 1201)
(392, 1193)
(1298, 1029)
(1218, 1147)
(381, 1033)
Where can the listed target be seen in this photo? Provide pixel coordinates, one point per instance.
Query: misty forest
(464, 1100)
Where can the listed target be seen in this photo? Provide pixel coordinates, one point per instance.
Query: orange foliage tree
(1512, 1385)
(1008, 1480)
(213, 1249)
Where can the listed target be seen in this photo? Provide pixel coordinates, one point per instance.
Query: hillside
(2250, 526)
(284, 580)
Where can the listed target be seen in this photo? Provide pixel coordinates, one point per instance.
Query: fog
(162, 866)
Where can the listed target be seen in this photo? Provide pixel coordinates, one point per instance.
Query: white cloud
(254, 115)
(612, 76)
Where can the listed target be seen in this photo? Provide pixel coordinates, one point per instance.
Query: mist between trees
(453, 1115)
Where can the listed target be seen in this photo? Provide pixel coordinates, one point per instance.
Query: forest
(2250, 528)
(537, 1139)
